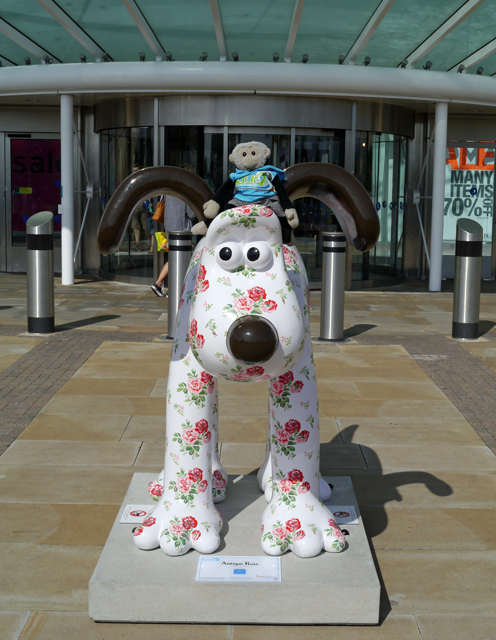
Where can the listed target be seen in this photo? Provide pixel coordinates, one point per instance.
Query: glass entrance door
(32, 169)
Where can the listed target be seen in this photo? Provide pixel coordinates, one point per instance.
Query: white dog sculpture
(243, 316)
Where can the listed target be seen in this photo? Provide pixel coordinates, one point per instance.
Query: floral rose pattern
(196, 340)
(254, 302)
(197, 387)
(282, 535)
(180, 530)
(287, 436)
(193, 437)
(155, 490)
(218, 485)
(281, 389)
(339, 543)
(188, 485)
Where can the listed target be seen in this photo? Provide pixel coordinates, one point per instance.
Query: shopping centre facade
(383, 89)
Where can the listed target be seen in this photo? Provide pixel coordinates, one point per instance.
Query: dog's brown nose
(252, 340)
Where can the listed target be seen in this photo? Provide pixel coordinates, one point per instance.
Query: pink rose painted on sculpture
(269, 305)
(332, 523)
(304, 487)
(297, 386)
(184, 484)
(195, 534)
(200, 341)
(298, 535)
(207, 437)
(218, 480)
(282, 436)
(189, 522)
(201, 426)
(256, 293)
(285, 486)
(202, 272)
(245, 210)
(206, 378)
(193, 328)
(176, 527)
(292, 425)
(280, 533)
(302, 437)
(255, 371)
(244, 304)
(195, 385)
(155, 489)
(293, 524)
(189, 435)
(295, 476)
(286, 377)
(195, 474)
(137, 531)
(203, 286)
(277, 388)
(149, 522)
(239, 375)
(202, 487)
(265, 212)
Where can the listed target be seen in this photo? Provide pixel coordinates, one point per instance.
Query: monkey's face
(249, 156)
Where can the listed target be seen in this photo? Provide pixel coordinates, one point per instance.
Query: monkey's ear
(267, 153)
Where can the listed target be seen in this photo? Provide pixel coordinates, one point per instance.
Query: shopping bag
(158, 214)
(162, 244)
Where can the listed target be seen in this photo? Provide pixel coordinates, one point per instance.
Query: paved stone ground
(467, 382)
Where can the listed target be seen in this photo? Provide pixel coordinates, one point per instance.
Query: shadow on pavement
(485, 326)
(84, 323)
(357, 329)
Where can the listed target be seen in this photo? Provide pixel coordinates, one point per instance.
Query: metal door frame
(17, 255)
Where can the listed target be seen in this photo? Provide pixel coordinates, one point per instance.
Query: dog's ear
(139, 186)
(341, 191)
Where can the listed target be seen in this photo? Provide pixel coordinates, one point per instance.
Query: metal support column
(437, 213)
(67, 179)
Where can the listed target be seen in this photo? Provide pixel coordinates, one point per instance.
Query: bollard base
(41, 325)
(342, 339)
(465, 330)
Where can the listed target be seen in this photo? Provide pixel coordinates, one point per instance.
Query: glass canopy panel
(186, 29)
(31, 19)
(329, 28)
(488, 65)
(472, 34)
(12, 51)
(110, 25)
(259, 31)
(406, 25)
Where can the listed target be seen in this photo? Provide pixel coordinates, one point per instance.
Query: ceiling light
(82, 57)
(27, 60)
(461, 68)
(47, 60)
(106, 57)
(275, 56)
(142, 56)
(427, 65)
(366, 62)
(203, 56)
(304, 58)
(168, 56)
(341, 59)
(235, 56)
(404, 64)
(480, 70)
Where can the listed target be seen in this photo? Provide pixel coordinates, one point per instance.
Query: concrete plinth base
(130, 585)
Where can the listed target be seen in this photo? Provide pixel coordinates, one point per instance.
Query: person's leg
(163, 274)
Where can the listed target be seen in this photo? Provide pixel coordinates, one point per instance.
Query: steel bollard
(333, 280)
(39, 254)
(467, 286)
(180, 243)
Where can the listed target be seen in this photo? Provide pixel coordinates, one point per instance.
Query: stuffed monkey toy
(253, 182)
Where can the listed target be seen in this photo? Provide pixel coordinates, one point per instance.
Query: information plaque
(239, 569)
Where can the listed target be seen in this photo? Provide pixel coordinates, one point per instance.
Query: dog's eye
(259, 256)
(244, 153)
(253, 254)
(253, 153)
(230, 256)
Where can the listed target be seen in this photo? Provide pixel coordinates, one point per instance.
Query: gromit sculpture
(243, 316)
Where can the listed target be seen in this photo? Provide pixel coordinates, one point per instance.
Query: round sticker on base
(341, 514)
(137, 514)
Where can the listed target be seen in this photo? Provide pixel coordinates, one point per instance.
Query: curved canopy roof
(441, 35)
